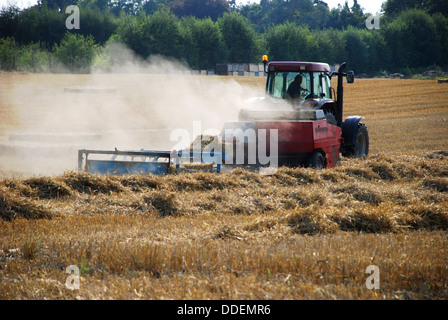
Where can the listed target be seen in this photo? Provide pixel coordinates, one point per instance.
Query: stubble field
(298, 234)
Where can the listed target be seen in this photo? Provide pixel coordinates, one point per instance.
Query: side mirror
(350, 77)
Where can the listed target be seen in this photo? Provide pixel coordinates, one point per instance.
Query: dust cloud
(136, 104)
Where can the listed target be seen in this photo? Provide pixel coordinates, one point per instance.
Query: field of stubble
(298, 234)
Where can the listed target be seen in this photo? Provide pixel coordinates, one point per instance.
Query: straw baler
(307, 127)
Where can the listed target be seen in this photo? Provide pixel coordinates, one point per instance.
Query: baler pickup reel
(147, 161)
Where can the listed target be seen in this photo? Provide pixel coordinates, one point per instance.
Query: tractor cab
(314, 87)
(295, 91)
(314, 81)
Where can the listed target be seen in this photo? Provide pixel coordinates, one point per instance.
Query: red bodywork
(299, 138)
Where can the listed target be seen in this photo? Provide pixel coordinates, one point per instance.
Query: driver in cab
(293, 93)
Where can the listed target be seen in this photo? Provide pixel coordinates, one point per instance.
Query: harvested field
(297, 234)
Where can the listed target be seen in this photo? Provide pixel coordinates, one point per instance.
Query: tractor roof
(298, 66)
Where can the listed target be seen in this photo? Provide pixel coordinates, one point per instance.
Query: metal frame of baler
(150, 158)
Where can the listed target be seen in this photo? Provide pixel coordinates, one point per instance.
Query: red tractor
(300, 108)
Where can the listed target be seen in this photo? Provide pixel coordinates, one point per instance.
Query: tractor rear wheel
(316, 161)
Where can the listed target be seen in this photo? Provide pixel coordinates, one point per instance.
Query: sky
(370, 6)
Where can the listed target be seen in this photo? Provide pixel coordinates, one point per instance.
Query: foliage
(30, 58)
(76, 52)
(412, 40)
(199, 8)
(9, 19)
(289, 42)
(40, 25)
(356, 49)
(8, 49)
(314, 14)
(100, 25)
(208, 39)
(327, 45)
(393, 8)
(240, 38)
(33, 58)
(157, 34)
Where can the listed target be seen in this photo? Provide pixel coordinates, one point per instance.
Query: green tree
(328, 46)
(99, 24)
(151, 6)
(8, 54)
(312, 13)
(102, 5)
(209, 43)
(319, 17)
(58, 5)
(437, 6)
(288, 41)
(240, 38)
(357, 17)
(128, 32)
(33, 58)
(257, 15)
(344, 16)
(411, 40)
(156, 34)
(118, 7)
(377, 53)
(43, 25)
(302, 12)
(76, 52)
(133, 7)
(356, 49)
(190, 50)
(199, 8)
(9, 20)
(441, 24)
(393, 8)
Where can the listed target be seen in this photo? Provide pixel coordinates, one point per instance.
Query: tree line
(412, 34)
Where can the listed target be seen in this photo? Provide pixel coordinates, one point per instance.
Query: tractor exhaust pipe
(340, 95)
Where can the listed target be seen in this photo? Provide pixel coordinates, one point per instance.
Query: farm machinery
(299, 122)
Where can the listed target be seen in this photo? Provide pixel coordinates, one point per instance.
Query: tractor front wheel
(316, 160)
(360, 149)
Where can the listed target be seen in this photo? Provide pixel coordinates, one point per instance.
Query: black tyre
(361, 147)
(316, 161)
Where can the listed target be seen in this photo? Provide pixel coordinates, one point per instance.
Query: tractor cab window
(321, 88)
(279, 82)
(316, 84)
